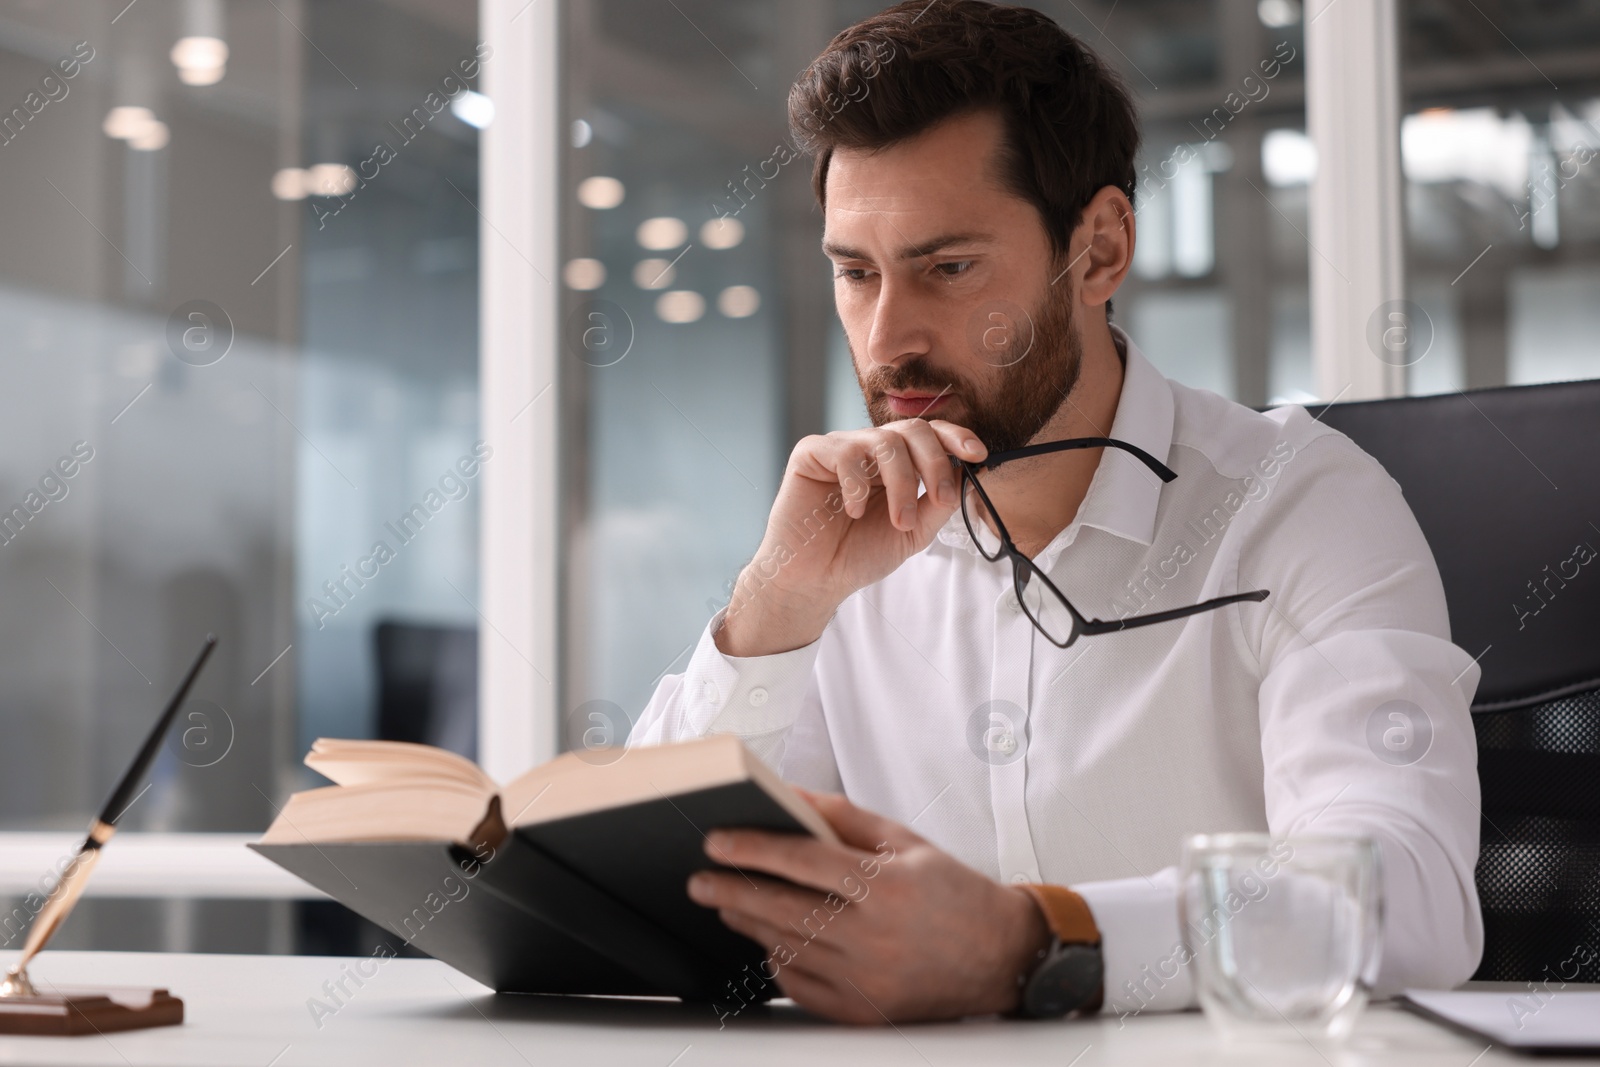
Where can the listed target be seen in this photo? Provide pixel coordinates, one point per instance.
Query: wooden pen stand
(71, 1010)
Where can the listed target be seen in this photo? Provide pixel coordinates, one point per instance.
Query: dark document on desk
(584, 891)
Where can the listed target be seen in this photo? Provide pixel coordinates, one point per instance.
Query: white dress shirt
(933, 700)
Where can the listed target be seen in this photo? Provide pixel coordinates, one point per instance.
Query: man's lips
(914, 404)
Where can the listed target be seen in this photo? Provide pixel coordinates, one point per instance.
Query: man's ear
(1102, 246)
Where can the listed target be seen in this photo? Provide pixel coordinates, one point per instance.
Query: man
(1022, 777)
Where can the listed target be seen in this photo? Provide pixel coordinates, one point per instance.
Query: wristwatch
(1069, 975)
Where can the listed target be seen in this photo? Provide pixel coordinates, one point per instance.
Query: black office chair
(1506, 486)
(427, 693)
(428, 684)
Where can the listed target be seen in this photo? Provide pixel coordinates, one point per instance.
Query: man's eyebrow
(834, 250)
(930, 247)
(940, 243)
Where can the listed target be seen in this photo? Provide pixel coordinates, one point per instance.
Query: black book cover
(593, 903)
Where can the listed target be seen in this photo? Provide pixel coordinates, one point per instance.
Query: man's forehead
(939, 182)
(890, 195)
(952, 158)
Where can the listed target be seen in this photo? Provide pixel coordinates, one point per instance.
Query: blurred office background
(242, 472)
(243, 458)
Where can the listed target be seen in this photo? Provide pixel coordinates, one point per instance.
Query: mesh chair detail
(1539, 868)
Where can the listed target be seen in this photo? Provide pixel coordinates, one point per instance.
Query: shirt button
(758, 697)
(1019, 879)
(709, 691)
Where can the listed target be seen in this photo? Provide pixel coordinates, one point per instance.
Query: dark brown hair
(1070, 126)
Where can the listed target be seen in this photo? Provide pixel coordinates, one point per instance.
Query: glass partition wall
(1500, 139)
(239, 309)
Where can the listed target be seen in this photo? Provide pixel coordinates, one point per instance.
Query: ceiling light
(290, 184)
(126, 121)
(738, 301)
(474, 109)
(722, 233)
(1288, 157)
(138, 126)
(1277, 14)
(153, 137)
(584, 274)
(1470, 145)
(600, 193)
(653, 273)
(330, 179)
(660, 234)
(680, 306)
(200, 60)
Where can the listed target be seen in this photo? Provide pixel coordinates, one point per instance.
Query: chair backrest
(1505, 484)
(428, 684)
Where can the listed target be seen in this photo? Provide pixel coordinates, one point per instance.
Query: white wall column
(517, 601)
(1357, 222)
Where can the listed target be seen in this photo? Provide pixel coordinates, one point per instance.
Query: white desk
(252, 1011)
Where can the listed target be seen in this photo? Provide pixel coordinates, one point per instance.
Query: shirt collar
(1124, 494)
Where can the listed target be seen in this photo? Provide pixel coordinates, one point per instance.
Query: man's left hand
(881, 928)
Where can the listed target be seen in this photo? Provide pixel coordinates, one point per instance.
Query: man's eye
(851, 274)
(955, 269)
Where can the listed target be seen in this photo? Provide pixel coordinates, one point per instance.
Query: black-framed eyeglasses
(1048, 608)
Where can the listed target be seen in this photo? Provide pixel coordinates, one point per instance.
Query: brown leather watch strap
(1071, 922)
(1066, 913)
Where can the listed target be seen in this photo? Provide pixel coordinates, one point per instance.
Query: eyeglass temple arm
(1162, 471)
(1100, 626)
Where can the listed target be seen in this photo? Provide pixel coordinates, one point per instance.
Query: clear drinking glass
(1284, 933)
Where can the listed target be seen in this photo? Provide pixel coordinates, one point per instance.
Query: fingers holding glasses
(927, 448)
(900, 457)
(853, 460)
(911, 463)
(931, 451)
(956, 440)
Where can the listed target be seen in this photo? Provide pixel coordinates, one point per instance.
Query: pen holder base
(71, 1010)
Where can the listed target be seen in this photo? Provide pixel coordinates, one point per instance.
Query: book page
(580, 782)
(379, 811)
(348, 762)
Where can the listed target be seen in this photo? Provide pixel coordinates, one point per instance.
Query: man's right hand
(846, 516)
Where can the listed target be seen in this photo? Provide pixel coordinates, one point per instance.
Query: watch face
(1068, 979)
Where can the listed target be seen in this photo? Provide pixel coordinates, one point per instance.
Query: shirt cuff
(748, 696)
(1146, 964)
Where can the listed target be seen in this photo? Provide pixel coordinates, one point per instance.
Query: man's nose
(901, 328)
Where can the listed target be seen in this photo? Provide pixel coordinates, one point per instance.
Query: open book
(570, 879)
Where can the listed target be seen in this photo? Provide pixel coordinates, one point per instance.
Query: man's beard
(1009, 409)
